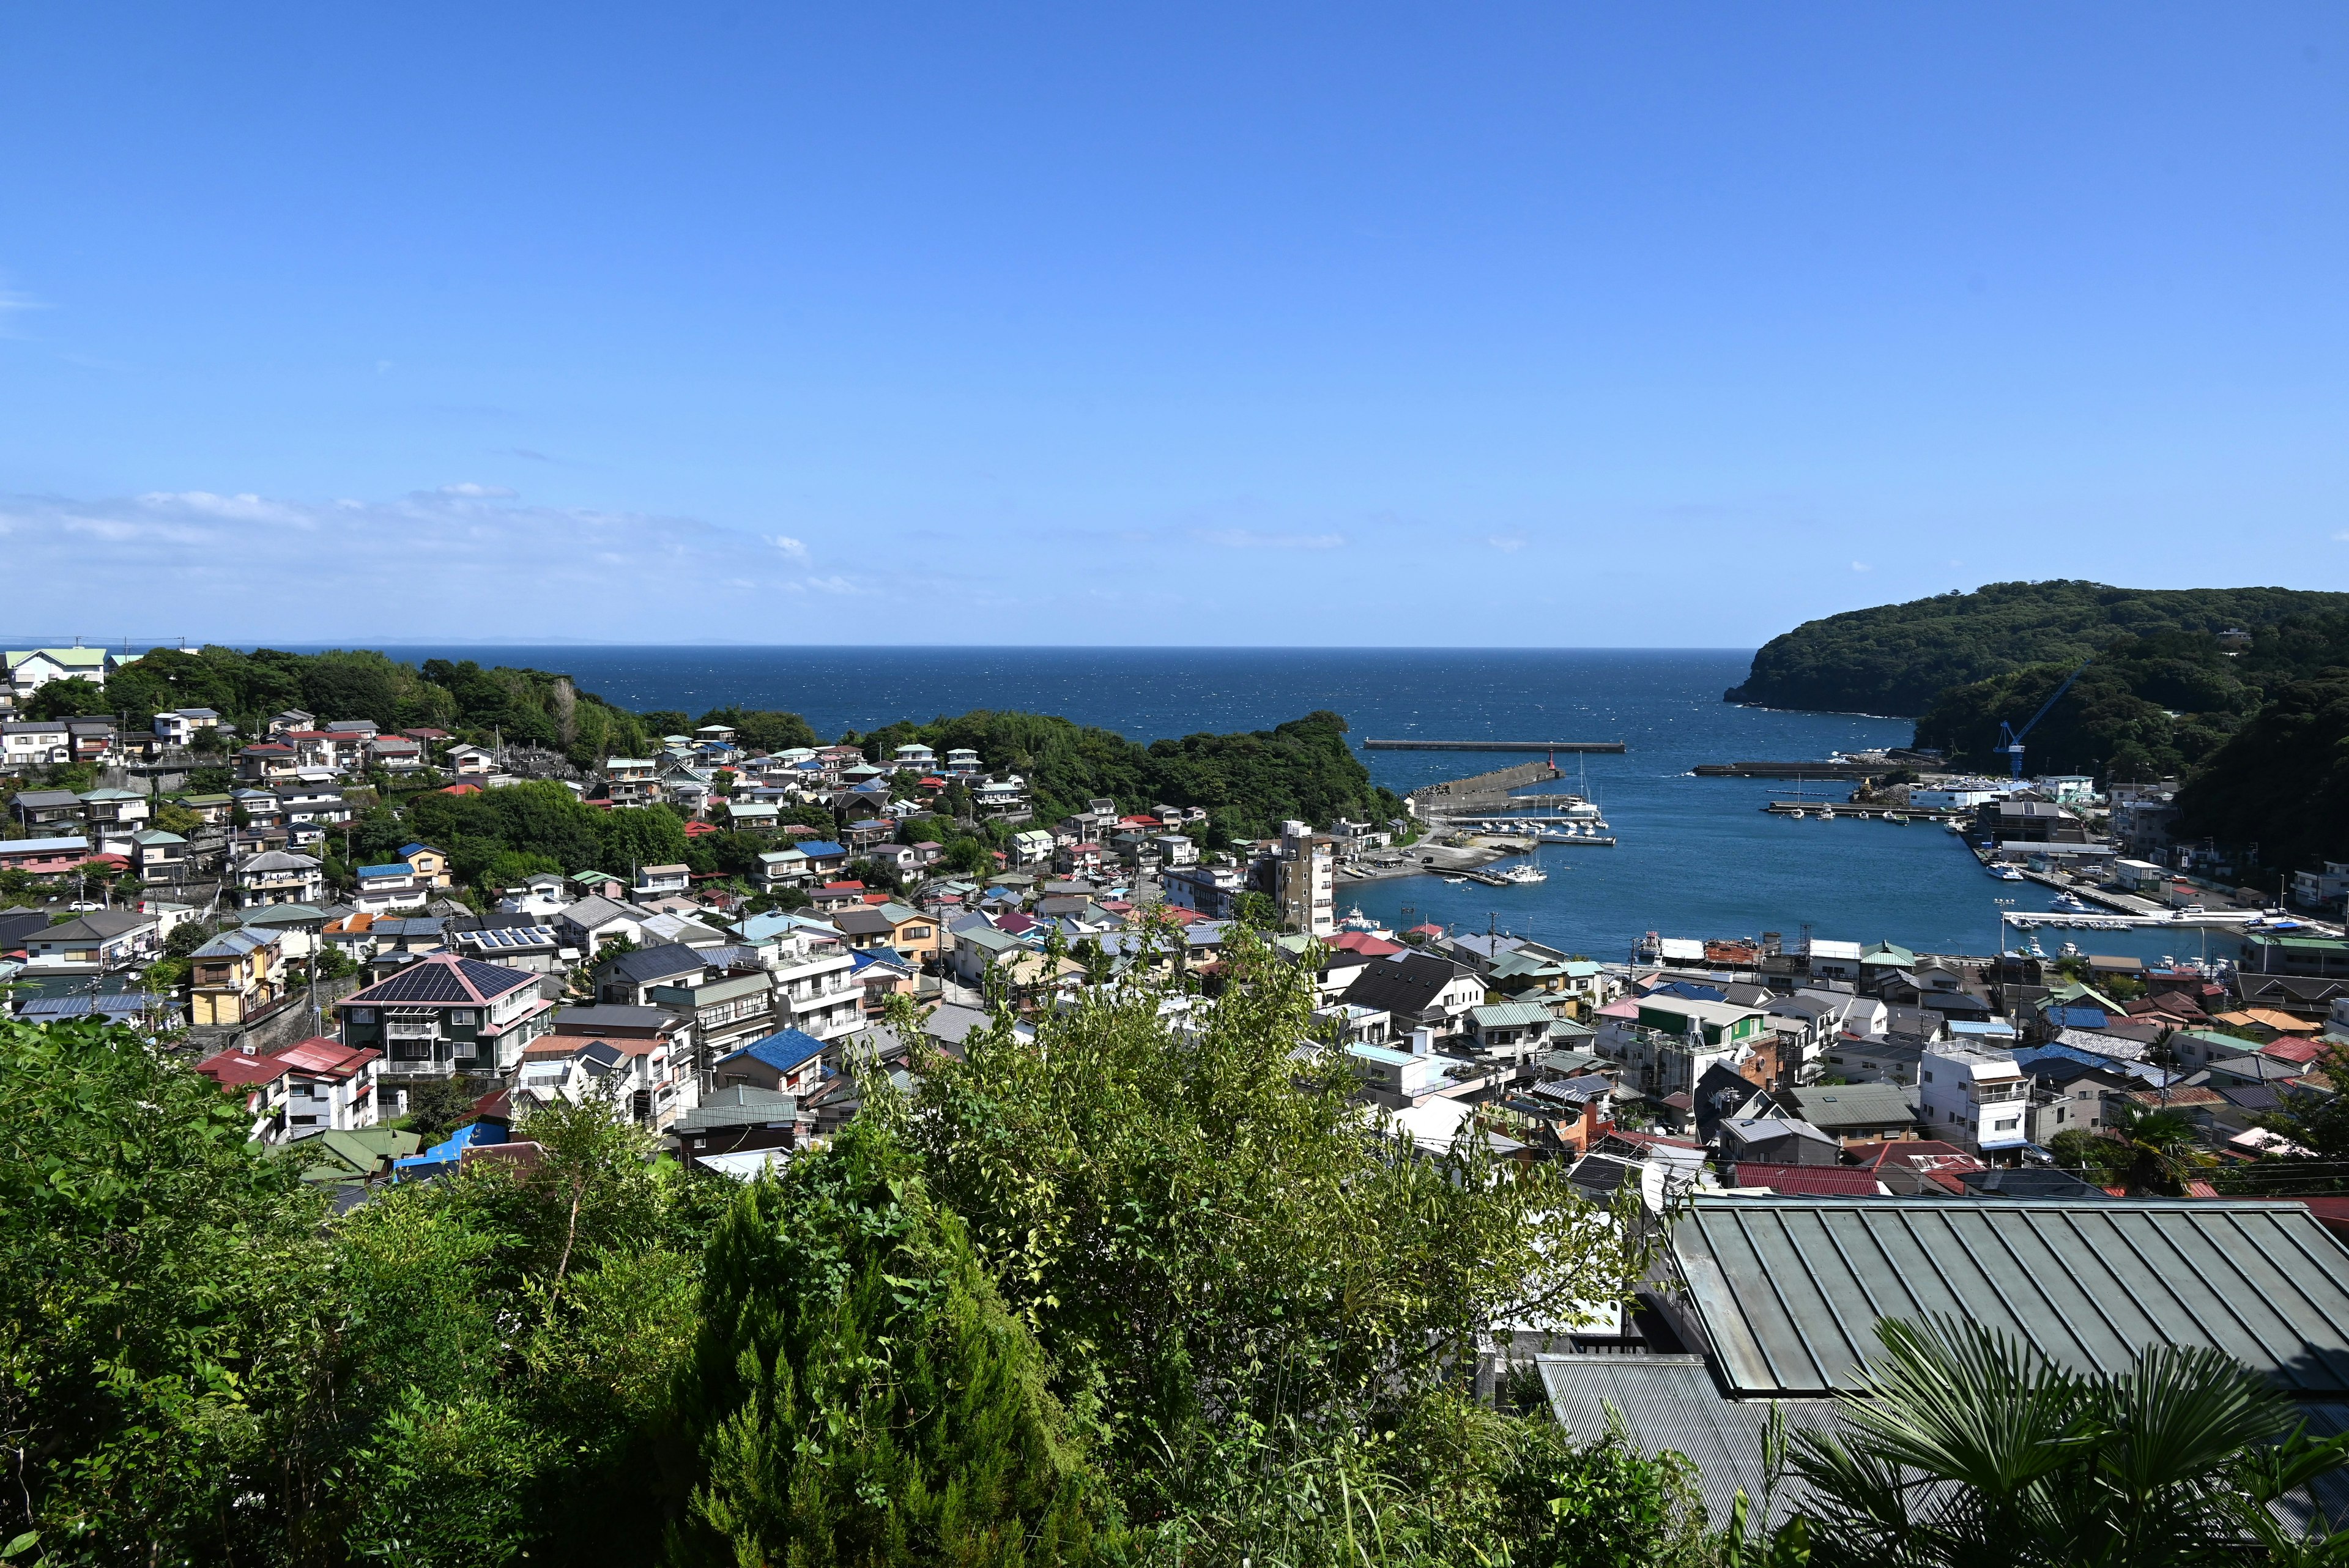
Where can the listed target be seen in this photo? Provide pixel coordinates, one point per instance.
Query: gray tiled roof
(1789, 1290)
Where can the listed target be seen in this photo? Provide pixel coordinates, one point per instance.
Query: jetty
(1791, 770)
(1493, 745)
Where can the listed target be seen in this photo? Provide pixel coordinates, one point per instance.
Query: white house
(1975, 1099)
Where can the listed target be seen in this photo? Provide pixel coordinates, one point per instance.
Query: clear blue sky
(1266, 323)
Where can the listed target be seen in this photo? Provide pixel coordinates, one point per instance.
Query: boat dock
(1789, 770)
(1872, 812)
(1493, 745)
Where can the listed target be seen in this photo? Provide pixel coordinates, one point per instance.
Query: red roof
(699, 829)
(844, 887)
(1430, 929)
(1821, 1180)
(233, 1069)
(1364, 943)
(1923, 1153)
(2289, 1050)
(476, 789)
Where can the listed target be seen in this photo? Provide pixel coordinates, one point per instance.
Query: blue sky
(1634, 324)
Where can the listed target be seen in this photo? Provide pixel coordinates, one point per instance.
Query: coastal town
(382, 1021)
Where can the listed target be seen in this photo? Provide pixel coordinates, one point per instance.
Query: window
(363, 1015)
(462, 1015)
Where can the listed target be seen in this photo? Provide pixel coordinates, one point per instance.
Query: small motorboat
(1798, 813)
(1522, 875)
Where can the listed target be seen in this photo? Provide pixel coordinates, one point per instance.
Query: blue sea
(1695, 858)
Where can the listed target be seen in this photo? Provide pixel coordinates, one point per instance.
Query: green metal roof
(1788, 1290)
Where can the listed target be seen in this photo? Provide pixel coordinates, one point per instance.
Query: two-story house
(394, 885)
(316, 1085)
(444, 1013)
(1978, 1100)
(98, 941)
(277, 876)
(234, 976)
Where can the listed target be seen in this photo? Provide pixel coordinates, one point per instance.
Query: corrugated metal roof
(1670, 1402)
(1789, 1290)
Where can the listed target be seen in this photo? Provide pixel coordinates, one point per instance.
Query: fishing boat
(1896, 818)
(1798, 813)
(1522, 875)
(2004, 873)
(2068, 904)
(1826, 814)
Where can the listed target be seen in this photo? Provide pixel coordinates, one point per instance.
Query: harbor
(1589, 746)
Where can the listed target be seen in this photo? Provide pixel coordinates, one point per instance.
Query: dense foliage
(597, 1358)
(2283, 782)
(1896, 658)
(1248, 782)
(1967, 1449)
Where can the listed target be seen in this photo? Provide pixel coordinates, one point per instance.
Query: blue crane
(2010, 739)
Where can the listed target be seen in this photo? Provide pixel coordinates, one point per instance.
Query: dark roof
(16, 925)
(441, 978)
(1788, 1290)
(1404, 984)
(2031, 1182)
(649, 964)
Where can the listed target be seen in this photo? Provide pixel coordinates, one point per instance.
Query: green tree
(1202, 1230)
(67, 698)
(859, 1395)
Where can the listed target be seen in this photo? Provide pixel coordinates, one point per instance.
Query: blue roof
(412, 848)
(820, 846)
(445, 1155)
(2077, 1017)
(396, 868)
(1688, 990)
(782, 1050)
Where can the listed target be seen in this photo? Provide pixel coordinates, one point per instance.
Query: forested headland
(1895, 659)
(2255, 726)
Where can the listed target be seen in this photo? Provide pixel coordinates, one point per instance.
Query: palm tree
(2162, 1152)
(1966, 1449)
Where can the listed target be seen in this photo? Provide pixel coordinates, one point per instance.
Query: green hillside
(1898, 658)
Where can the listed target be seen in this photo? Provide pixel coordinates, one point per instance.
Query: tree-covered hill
(1897, 658)
(1248, 782)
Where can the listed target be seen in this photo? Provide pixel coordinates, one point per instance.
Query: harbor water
(1694, 857)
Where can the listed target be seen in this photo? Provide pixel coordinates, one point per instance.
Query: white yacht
(1522, 875)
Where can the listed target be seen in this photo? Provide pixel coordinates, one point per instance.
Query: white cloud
(1862, 567)
(480, 491)
(1507, 543)
(428, 565)
(2343, 536)
(1248, 539)
(788, 546)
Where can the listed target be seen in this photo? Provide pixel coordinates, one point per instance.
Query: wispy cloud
(1507, 543)
(1862, 567)
(14, 305)
(788, 545)
(1248, 539)
(2342, 537)
(457, 561)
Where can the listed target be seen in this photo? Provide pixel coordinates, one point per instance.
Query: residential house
(444, 1013)
(1666, 1041)
(1776, 1139)
(593, 923)
(1509, 1031)
(31, 668)
(99, 940)
(1418, 990)
(1978, 1100)
(234, 976)
(891, 925)
(662, 1084)
(471, 761)
(626, 980)
(29, 744)
(727, 1007)
(741, 1119)
(429, 865)
(304, 1090)
(46, 810)
(391, 887)
(660, 881)
(1853, 1113)
(1213, 892)
(395, 754)
(275, 877)
(291, 718)
(157, 856)
(44, 856)
(786, 1062)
